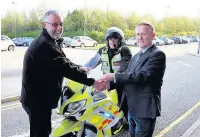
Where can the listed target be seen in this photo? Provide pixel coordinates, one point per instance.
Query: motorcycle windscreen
(66, 94)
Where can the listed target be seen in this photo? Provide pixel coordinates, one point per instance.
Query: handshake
(103, 82)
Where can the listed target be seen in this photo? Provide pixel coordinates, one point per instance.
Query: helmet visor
(114, 35)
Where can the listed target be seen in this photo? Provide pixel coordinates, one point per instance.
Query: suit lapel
(132, 62)
(144, 55)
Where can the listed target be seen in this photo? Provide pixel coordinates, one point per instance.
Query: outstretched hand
(100, 85)
(108, 77)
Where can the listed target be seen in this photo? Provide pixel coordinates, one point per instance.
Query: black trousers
(141, 127)
(39, 119)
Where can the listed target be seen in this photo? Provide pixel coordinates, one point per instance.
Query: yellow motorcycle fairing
(66, 126)
(92, 110)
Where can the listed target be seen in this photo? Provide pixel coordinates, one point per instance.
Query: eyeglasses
(55, 24)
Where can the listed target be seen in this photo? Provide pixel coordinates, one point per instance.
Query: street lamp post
(15, 20)
(107, 9)
(167, 8)
(198, 50)
(15, 26)
(85, 19)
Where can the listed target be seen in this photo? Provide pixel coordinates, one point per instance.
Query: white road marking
(54, 123)
(177, 121)
(7, 107)
(22, 135)
(192, 128)
(188, 65)
(12, 77)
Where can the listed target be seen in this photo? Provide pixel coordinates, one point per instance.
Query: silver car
(158, 42)
(83, 41)
(131, 41)
(7, 43)
(23, 41)
(66, 42)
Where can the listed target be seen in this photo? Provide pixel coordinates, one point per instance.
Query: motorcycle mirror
(83, 89)
(93, 92)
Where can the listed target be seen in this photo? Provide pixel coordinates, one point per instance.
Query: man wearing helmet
(114, 57)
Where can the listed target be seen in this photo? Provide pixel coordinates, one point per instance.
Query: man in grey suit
(142, 83)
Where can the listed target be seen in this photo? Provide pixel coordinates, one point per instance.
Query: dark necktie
(138, 56)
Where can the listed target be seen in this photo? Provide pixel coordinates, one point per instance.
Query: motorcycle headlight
(76, 106)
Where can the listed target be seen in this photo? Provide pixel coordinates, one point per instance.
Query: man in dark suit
(142, 83)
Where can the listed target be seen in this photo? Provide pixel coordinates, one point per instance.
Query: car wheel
(157, 44)
(11, 48)
(136, 44)
(95, 44)
(82, 45)
(24, 44)
(63, 45)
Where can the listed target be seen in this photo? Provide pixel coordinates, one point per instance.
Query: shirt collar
(145, 49)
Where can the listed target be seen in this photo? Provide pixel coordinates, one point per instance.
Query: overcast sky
(157, 8)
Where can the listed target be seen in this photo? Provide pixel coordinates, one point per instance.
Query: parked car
(29, 42)
(177, 40)
(82, 41)
(14, 39)
(185, 39)
(7, 43)
(167, 40)
(23, 41)
(66, 42)
(131, 41)
(193, 38)
(158, 42)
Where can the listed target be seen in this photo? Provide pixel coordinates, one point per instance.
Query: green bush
(98, 36)
(25, 34)
(129, 33)
(31, 33)
(72, 33)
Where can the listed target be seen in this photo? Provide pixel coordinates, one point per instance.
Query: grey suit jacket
(142, 83)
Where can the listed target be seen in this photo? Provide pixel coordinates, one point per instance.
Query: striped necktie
(138, 56)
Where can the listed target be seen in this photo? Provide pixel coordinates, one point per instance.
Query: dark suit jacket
(142, 82)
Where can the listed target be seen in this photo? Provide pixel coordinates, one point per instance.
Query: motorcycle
(87, 112)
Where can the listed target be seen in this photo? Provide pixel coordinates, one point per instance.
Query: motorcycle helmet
(115, 32)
